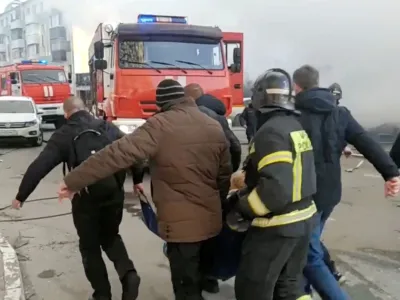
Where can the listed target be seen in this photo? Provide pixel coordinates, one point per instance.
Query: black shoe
(210, 286)
(130, 286)
(99, 298)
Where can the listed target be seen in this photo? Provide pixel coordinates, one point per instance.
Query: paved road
(363, 233)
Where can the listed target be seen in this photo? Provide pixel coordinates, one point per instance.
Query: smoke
(355, 43)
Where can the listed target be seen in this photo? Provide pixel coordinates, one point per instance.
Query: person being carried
(215, 109)
(190, 170)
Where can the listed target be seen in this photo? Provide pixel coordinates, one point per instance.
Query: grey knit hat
(168, 90)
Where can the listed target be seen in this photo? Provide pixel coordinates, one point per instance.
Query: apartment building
(33, 30)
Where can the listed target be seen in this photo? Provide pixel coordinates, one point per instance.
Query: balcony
(31, 19)
(17, 24)
(20, 43)
(4, 30)
(60, 45)
(3, 48)
(58, 32)
(33, 39)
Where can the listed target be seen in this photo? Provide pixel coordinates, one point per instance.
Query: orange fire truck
(127, 61)
(46, 84)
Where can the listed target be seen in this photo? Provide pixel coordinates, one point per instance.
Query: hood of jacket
(316, 100)
(212, 103)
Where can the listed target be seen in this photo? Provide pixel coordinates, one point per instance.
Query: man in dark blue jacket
(215, 109)
(330, 128)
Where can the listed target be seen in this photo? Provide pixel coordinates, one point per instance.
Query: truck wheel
(36, 141)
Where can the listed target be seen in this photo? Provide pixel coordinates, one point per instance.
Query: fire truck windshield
(43, 76)
(170, 55)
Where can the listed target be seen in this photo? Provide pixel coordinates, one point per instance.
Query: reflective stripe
(256, 205)
(297, 178)
(276, 157)
(289, 218)
(305, 297)
(252, 148)
(301, 144)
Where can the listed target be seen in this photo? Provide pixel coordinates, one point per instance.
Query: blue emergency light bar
(149, 19)
(33, 61)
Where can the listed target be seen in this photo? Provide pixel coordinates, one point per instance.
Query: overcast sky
(353, 42)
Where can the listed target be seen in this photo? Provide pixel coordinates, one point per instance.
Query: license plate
(8, 132)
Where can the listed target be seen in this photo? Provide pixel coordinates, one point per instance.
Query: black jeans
(98, 228)
(271, 266)
(189, 262)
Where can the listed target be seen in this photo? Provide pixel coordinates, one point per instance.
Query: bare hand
(392, 187)
(16, 204)
(138, 188)
(347, 152)
(64, 192)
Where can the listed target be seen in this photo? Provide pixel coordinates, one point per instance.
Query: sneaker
(130, 286)
(340, 277)
(210, 286)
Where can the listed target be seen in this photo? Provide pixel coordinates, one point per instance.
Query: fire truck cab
(46, 84)
(127, 62)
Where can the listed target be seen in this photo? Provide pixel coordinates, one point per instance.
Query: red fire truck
(48, 85)
(127, 61)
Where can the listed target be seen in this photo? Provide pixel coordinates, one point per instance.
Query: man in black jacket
(215, 109)
(97, 223)
(249, 119)
(330, 128)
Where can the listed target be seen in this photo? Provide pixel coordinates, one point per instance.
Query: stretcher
(228, 249)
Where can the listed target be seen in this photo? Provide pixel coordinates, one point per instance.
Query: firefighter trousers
(98, 228)
(189, 262)
(271, 266)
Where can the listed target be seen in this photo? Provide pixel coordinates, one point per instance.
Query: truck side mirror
(13, 76)
(237, 56)
(99, 50)
(69, 76)
(100, 64)
(234, 68)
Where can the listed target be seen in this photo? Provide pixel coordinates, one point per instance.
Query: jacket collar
(179, 104)
(81, 114)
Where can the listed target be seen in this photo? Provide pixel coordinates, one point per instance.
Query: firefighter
(336, 90)
(280, 180)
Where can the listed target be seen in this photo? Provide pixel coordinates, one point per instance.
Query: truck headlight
(128, 128)
(31, 123)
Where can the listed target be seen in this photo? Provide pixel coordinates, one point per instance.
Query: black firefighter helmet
(336, 90)
(273, 89)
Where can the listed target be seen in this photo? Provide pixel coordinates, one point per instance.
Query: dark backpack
(90, 138)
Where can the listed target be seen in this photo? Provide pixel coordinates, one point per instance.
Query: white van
(20, 120)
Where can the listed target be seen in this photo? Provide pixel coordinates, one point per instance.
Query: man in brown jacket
(190, 170)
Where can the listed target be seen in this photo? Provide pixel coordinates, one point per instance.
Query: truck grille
(12, 125)
(148, 106)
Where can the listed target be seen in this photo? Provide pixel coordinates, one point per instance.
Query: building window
(17, 53)
(34, 9)
(16, 34)
(3, 56)
(41, 7)
(55, 20)
(28, 11)
(33, 50)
